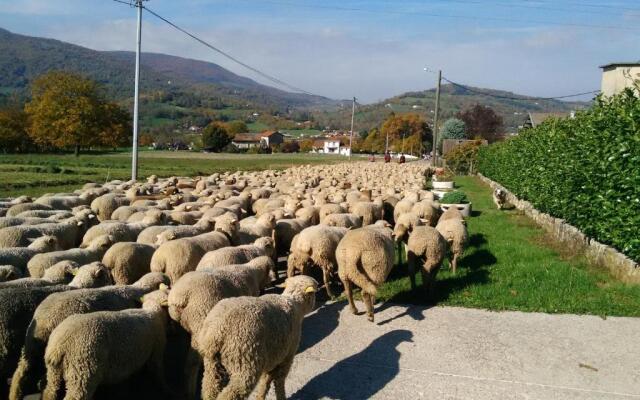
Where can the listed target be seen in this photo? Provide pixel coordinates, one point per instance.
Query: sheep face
(303, 287)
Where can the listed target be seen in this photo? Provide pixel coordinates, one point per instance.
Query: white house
(618, 76)
(331, 146)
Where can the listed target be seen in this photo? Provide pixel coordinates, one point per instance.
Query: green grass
(36, 174)
(257, 127)
(510, 264)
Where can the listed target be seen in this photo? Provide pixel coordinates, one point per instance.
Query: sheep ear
(282, 285)
(310, 289)
(91, 216)
(141, 299)
(74, 272)
(163, 287)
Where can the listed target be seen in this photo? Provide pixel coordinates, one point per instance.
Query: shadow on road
(362, 375)
(321, 324)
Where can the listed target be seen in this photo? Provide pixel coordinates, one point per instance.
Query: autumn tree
(13, 129)
(407, 131)
(235, 127)
(67, 110)
(306, 145)
(115, 126)
(482, 123)
(215, 137)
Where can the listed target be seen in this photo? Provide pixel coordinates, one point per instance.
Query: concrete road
(456, 353)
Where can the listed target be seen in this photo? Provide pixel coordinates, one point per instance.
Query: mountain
(513, 108)
(22, 58)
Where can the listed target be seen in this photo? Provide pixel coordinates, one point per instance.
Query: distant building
(618, 76)
(535, 119)
(331, 146)
(264, 139)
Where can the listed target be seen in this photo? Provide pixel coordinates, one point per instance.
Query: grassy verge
(510, 264)
(35, 174)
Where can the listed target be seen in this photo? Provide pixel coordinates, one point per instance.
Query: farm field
(510, 264)
(35, 174)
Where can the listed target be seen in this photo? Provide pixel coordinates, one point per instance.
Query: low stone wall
(596, 253)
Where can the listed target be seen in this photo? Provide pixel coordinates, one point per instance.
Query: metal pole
(353, 113)
(386, 147)
(134, 151)
(435, 120)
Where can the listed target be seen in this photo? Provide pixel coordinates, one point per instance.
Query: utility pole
(435, 121)
(353, 114)
(136, 99)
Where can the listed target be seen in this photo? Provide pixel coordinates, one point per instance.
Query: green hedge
(585, 170)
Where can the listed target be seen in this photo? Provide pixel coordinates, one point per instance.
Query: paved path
(455, 353)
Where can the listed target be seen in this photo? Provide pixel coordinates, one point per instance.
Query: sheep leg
(280, 375)
(411, 263)
(81, 388)
(23, 377)
(263, 386)
(349, 291)
(368, 302)
(454, 262)
(192, 369)
(327, 282)
(239, 388)
(55, 382)
(291, 268)
(213, 380)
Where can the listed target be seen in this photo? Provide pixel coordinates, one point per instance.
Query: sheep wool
(427, 244)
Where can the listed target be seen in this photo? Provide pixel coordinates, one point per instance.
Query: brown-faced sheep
(254, 340)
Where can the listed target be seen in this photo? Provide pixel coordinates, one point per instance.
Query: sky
(371, 49)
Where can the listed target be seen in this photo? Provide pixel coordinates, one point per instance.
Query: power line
(517, 98)
(227, 55)
(452, 16)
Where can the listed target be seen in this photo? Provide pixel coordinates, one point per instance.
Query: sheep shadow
(361, 375)
(320, 324)
(416, 313)
(476, 213)
(476, 240)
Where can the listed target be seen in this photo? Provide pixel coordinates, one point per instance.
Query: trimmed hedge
(585, 170)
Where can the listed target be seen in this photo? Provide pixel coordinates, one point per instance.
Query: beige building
(618, 76)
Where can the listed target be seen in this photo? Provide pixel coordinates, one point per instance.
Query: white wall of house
(331, 147)
(616, 78)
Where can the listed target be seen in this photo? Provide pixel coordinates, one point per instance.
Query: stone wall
(596, 253)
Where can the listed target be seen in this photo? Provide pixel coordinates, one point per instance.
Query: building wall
(616, 79)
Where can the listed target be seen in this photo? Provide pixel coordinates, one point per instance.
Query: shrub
(455, 197)
(585, 170)
(453, 128)
(463, 159)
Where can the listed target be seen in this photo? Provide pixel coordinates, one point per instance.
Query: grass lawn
(510, 264)
(36, 174)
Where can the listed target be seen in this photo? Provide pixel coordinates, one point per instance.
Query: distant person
(387, 157)
(402, 159)
(372, 158)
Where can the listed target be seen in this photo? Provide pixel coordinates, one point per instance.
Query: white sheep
(455, 233)
(19, 257)
(40, 262)
(427, 244)
(231, 255)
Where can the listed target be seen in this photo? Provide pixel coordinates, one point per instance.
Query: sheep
(22, 207)
(316, 245)
(263, 246)
(177, 257)
(92, 275)
(60, 273)
(405, 224)
(455, 233)
(451, 213)
(425, 210)
(122, 231)
(262, 227)
(17, 305)
(182, 231)
(128, 261)
(184, 217)
(365, 258)
(57, 307)
(9, 273)
(330, 208)
(15, 221)
(123, 213)
(312, 213)
(40, 262)
(106, 347)
(284, 232)
(403, 206)
(197, 292)
(106, 204)
(149, 235)
(65, 202)
(49, 214)
(68, 233)
(271, 324)
(344, 220)
(19, 257)
(425, 243)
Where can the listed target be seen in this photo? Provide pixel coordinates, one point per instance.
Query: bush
(455, 197)
(585, 170)
(453, 128)
(463, 159)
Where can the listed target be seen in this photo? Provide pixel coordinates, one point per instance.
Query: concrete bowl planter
(437, 185)
(465, 209)
(441, 192)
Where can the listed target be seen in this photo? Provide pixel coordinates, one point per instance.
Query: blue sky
(368, 49)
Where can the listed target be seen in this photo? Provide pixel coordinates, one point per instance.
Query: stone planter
(465, 209)
(440, 193)
(442, 185)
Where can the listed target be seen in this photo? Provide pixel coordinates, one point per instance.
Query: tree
(291, 146)
(403, 130)
(453, 128)
(235, 127)
(482, 122)
(374, 143)
(215, 137)
(115, 127)
(13, 129)
(306, 145)
(146, 140)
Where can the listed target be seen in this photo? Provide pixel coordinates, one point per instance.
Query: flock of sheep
(94, 282)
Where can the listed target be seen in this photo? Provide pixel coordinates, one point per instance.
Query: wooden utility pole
(353, 114)
(435, 121)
